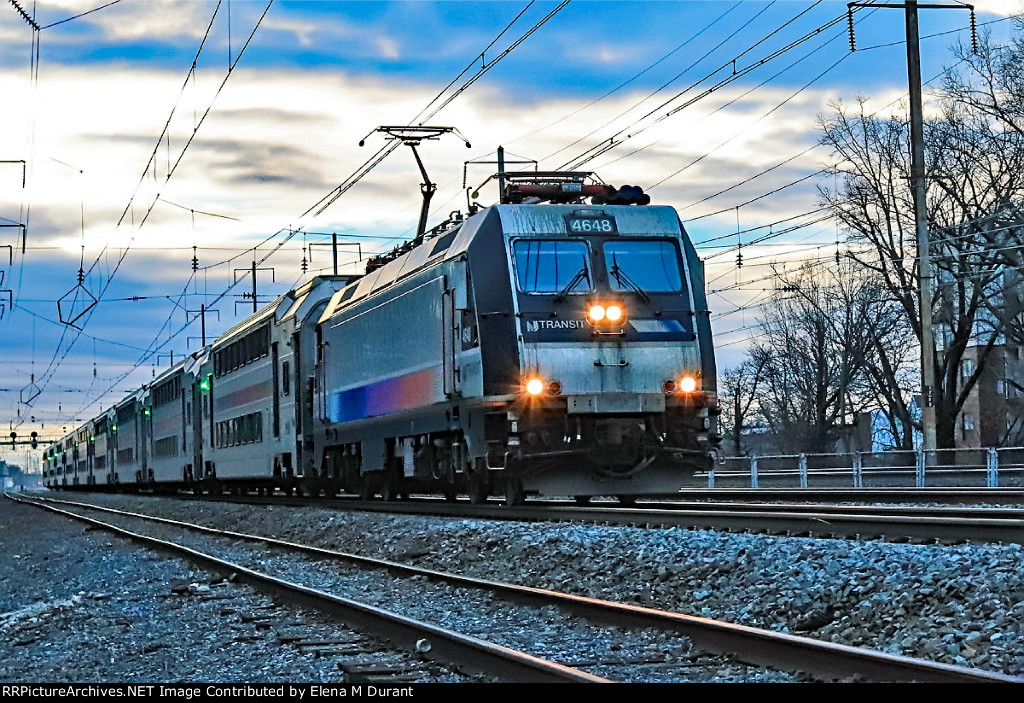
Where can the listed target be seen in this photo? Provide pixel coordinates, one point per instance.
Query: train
(555, 343)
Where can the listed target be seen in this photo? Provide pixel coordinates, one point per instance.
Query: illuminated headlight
(535, 386)
(687, 384)
(606, 313)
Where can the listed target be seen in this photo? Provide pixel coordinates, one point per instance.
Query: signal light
(626, 195)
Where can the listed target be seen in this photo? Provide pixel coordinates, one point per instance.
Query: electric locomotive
(542, 346)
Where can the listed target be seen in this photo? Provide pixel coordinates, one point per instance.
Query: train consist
(556, 343)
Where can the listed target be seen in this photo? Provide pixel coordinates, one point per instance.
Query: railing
(987, 467)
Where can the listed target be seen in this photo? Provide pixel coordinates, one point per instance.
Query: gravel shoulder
(960, 604)
(78, 605)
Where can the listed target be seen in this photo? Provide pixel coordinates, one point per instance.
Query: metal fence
(988, 467)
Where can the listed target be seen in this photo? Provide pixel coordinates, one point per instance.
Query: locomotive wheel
(366, 488)
(389, 487)
(391, 483)
(478, 488)
(514, 492)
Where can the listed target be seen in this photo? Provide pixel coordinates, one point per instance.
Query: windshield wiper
(622, 279)
(582, 275)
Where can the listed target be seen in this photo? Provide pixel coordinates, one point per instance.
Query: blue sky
(282, 131)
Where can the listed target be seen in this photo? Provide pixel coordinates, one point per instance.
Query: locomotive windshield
(552, 266)
(650, 265)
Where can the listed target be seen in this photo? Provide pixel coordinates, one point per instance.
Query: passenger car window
(652, 265)
(552, 266)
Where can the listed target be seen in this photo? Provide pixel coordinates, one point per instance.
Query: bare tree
(739, 391)
(992, 80)
(815, 345)
(972, 169)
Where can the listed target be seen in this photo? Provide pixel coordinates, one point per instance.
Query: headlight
(606, 313)
(535, 386)
(687, 384)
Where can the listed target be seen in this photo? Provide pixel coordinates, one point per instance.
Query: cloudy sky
(151, 131)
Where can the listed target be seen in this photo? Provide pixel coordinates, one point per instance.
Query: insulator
(849, 25)
(739, 259)
(81, 275)
(195, 260)
(974, 32)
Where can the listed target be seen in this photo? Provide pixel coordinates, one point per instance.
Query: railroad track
(724, 509)
(710, 645)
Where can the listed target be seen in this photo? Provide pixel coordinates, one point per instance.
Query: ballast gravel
(64, 591)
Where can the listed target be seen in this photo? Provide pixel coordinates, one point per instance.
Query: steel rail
(843, 521)
(997, 496)
(827, 660)
(828, 523)
(446, 647)
(942, 512)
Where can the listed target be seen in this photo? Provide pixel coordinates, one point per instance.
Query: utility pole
(334, 249)
(921, 221)
(919, 191)
(201, 314)
(251, 271)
